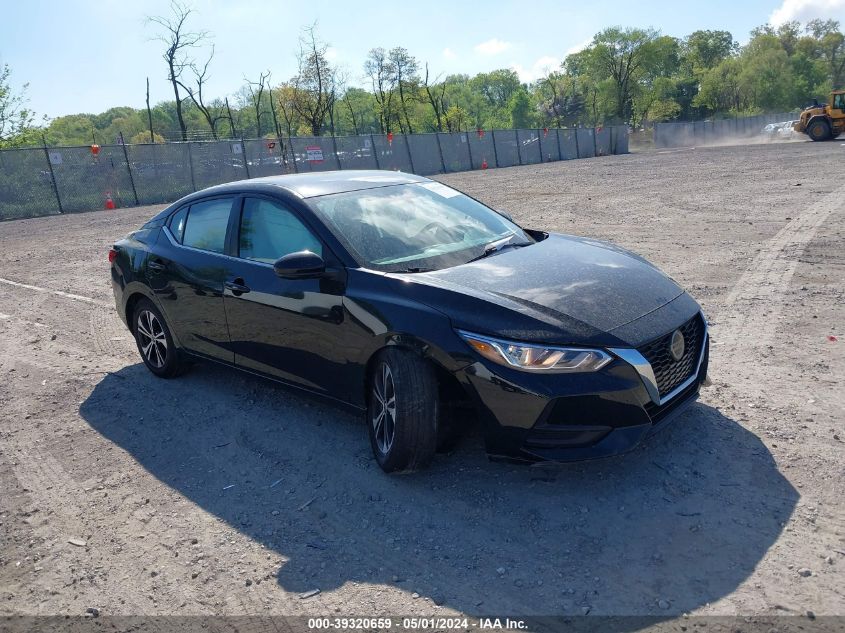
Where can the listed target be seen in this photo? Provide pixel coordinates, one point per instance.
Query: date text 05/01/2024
(417, 623)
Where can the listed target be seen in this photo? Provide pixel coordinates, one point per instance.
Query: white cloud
(539, 68)
(331, 53)
(578, 47)
(493, 47)
(803, 10)
(448, 53)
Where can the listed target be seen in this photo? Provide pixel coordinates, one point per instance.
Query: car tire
(403, 436)
(155, 343)
(818, 131)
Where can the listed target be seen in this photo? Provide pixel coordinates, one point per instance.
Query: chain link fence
(46, 181)
(687, 134)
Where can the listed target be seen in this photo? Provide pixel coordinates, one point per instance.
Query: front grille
(668, 372)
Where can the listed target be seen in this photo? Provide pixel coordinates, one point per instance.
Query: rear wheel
(818, 131)
(155, 344)
(402, 412)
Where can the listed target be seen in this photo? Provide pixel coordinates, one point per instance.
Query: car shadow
(678, 523)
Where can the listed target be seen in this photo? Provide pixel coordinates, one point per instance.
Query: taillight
(112, 255)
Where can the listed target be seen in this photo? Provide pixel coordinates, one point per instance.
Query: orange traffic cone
(109, 201)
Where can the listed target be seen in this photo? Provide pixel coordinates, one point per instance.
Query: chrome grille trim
(634, 358)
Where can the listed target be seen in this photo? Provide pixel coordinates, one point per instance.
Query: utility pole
(150, 112)
(231, 122)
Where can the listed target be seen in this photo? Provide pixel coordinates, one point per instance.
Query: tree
(15, 118)
(704, 50)
(720, 89)
(382, 74)
(456, 119)
(144, 137)
(213, 112)
(315, 82)
(621, 55)
(254, 92)
(561, 100)
(178, 41)
(407, 81)
(519, 108)
(497, 86)
(831, 48)
(436, 97)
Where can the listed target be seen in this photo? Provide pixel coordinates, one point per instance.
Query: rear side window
(205, 227)
(177, 223)
(269, 231)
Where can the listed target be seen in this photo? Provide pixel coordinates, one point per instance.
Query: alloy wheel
(384, 408)
(152, 339)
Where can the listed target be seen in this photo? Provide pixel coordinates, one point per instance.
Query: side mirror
(301, 265)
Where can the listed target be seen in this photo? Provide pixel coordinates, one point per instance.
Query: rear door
(292, 329)
(187, 273)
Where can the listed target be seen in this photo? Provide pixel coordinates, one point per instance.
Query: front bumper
(570, 417)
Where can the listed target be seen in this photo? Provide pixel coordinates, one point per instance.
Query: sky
(88, 56)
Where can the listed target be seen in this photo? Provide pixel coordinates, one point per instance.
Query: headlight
(537, 357)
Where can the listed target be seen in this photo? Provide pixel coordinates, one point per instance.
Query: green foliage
(519, 107)
(144, 137)
(631, 75)
(16, 120)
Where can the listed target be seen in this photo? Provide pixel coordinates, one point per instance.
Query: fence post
(469, 151)
(440, 149)
(52, 174)
(577, 146)
(191, 167)
(495, 150)
(375, 153)
(129, 169)
(595, 146)
(559, 150)
(293, 155)
(336, 157)
(410, 158)
(518, 145)
(246, 162)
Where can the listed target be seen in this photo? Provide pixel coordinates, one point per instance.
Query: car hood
(572, 285)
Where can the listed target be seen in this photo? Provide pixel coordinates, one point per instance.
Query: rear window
(205, 227)
(177, 223)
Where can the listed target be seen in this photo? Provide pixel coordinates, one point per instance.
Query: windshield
(420, 226)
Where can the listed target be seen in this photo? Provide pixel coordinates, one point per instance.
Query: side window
(177, 223)
(205, 227)
(269, 231)
(839, 102)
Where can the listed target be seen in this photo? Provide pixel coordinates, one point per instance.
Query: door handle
(237, 286)
(156, 266)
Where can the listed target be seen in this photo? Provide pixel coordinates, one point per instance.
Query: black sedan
(418, 305)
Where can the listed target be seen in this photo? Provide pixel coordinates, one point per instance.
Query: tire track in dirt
(749, 319)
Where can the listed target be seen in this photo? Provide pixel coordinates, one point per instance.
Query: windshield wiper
(497, 245)
(417, 269)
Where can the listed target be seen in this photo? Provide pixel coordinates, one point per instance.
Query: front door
(292, 329)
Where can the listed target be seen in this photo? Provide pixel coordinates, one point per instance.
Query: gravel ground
(223, 494)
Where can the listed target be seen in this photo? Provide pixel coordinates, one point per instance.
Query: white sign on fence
(55, 158)
(314, 153)
(237, 148)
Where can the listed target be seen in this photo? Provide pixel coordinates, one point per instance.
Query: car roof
(306, 185)
(323, 183)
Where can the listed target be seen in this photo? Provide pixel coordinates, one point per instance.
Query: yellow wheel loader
(824, 122)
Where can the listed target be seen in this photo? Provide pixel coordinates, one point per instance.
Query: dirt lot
(222, 494)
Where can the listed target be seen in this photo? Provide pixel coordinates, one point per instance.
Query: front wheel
(402, 411)
(818, 131)
(155, 344)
